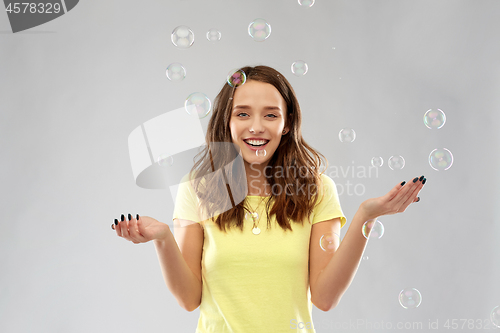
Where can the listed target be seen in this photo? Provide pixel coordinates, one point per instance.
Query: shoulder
(327, 183)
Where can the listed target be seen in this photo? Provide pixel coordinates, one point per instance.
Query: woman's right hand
(142, 230)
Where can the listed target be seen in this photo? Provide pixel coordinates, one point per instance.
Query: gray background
(73, 89)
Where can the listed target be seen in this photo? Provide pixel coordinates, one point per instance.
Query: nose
(256, 126)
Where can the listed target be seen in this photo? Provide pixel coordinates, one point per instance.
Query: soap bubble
(376, 227)
(299, 68)
(198, 104)
(165, 160)
(495, 316)
(434, 119)
(259, 30)
(261, 152)
(396, 162)
(306, 3)
(236, 78)
(347, 135)
(410, 298)
(182, 37)
(176, 72)
(253, 216)
(327, 242)
(213, 35)
(440, 159)
(377, 161)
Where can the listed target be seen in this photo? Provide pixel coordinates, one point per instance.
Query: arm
(334, 279)
(178, 276)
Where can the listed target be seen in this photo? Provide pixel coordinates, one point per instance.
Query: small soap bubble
(299, 68)
(165, 160)
(198, 104)
(306, 3)
(261, 152)
(176, 72)
(396, 162)
(347, 135)
(410, 298)
(434, 119)
(365, 257)
(377, 162)
(376, 227)
(182, 37)
(213, 35)
(327, 242)
(440, 159)
(259, 30)
(495, 316)
(236, 78)
(253, 216)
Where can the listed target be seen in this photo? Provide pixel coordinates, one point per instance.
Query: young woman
(253, 262)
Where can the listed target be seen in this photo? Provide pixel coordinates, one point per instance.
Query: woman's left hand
(395, 201)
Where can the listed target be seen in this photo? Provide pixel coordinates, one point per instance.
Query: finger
(413, 195)
(406, 193)
(118, 226)
(392, 193)
(124, 228)
(134, 234)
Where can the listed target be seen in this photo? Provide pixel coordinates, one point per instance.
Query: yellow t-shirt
(256, 283)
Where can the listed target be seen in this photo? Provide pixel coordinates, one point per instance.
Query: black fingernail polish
(404, 182)
(421, 177)
(418, 199)
(414, 180)
(112, 226)
(116, 221)
(129, 217)
(137, 217)
(123, 218)
(423, 181)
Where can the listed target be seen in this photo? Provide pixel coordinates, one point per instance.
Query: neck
(256, 180)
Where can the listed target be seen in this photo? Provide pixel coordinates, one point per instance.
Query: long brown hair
(218, 163)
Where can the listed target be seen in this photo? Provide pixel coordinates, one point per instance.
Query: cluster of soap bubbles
(440, 159)
(395, 162)
(259, 30)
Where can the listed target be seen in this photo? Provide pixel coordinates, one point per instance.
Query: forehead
(255, 92)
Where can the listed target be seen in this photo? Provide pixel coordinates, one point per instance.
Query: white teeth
(253, 142)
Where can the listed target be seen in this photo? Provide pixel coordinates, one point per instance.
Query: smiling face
(258, 112)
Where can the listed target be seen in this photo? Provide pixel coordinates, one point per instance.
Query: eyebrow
(265, 107)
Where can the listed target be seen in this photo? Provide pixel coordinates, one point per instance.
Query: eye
(268, 114)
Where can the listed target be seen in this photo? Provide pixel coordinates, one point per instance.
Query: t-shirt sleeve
(329, 207)
(186, 203)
